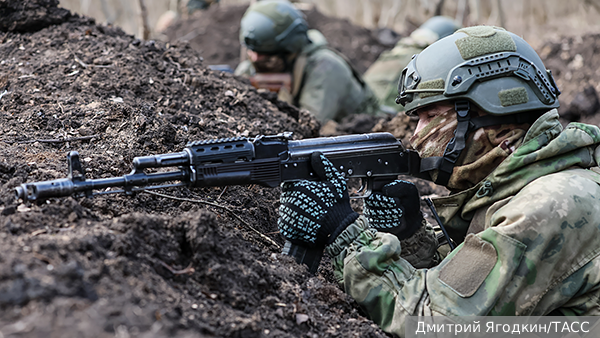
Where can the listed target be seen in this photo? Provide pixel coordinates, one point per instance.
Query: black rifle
(376, 158)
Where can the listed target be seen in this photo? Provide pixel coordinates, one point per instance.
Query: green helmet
(442, 26)
(273, 27)
(493, 69)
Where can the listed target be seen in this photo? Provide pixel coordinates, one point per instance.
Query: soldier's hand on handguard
(314, 213)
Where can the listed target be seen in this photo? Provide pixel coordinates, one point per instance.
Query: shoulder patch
(466, 271)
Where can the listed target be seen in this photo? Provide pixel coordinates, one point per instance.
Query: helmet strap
(287, 65)
(466, 124)
(445, 164)
(456, 144)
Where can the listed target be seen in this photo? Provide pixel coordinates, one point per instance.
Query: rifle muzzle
(42, 190)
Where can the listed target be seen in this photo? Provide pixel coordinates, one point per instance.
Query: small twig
(83, 64)
(62, 111)
(90, 120)
(38, 232)
(145, 30)
(44, 258)
(501, 14)
(189, 36)
(217, 206)
(64, 140)
(49, 230)
(222, 192)
(187, 271)
(438, 8)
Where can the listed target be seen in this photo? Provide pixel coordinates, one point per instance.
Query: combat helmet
(273, 27)
(435, 28)
(486, 66)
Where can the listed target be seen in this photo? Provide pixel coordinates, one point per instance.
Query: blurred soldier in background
(284, 56)
(382, 76)
(194, 5)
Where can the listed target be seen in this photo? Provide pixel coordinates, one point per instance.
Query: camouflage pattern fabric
(485, 148)
(434, 137)
(538, 211)
(420, 248)
(330, 89)
(383, 75)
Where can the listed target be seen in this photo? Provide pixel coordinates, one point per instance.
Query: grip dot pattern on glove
(302, 205)
(395, 209)
(312, 211)
(383, 211)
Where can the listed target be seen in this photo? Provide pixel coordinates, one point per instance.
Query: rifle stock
(375, 158)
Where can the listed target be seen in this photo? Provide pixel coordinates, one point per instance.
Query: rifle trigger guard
(366, 189)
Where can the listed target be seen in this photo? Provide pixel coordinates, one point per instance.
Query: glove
(396, 209)
(314, 213)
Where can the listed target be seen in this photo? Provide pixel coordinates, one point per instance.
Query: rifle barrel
(67, 186)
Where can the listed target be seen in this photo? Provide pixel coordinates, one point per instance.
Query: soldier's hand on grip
(396, 209)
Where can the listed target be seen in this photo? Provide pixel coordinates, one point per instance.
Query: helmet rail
(462, 77)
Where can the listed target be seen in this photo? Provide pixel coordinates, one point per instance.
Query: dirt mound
(574, 61)
(30, 16)
(214, 34)
(360, 45)
(187, 262)
(182, 262)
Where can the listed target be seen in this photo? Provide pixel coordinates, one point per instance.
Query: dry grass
(535, 20)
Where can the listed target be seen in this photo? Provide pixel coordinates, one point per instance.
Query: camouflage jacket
(537, 250)
(383, 75)
(328, 85)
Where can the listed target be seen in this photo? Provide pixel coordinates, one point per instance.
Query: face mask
(434, 137)
(270, 64)
(486, 148)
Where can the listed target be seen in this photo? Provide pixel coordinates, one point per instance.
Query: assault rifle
(376, 158)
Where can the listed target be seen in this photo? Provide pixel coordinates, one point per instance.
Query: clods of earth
(200, 262)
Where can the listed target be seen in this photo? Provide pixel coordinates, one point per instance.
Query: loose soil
(575, 63)
(201, 262)
(143, 265)
(214, 33)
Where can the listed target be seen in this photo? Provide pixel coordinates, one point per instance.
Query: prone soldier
(382, 76)
(286, 57)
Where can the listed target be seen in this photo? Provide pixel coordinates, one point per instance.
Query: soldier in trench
(524, 207)
(285, 56)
